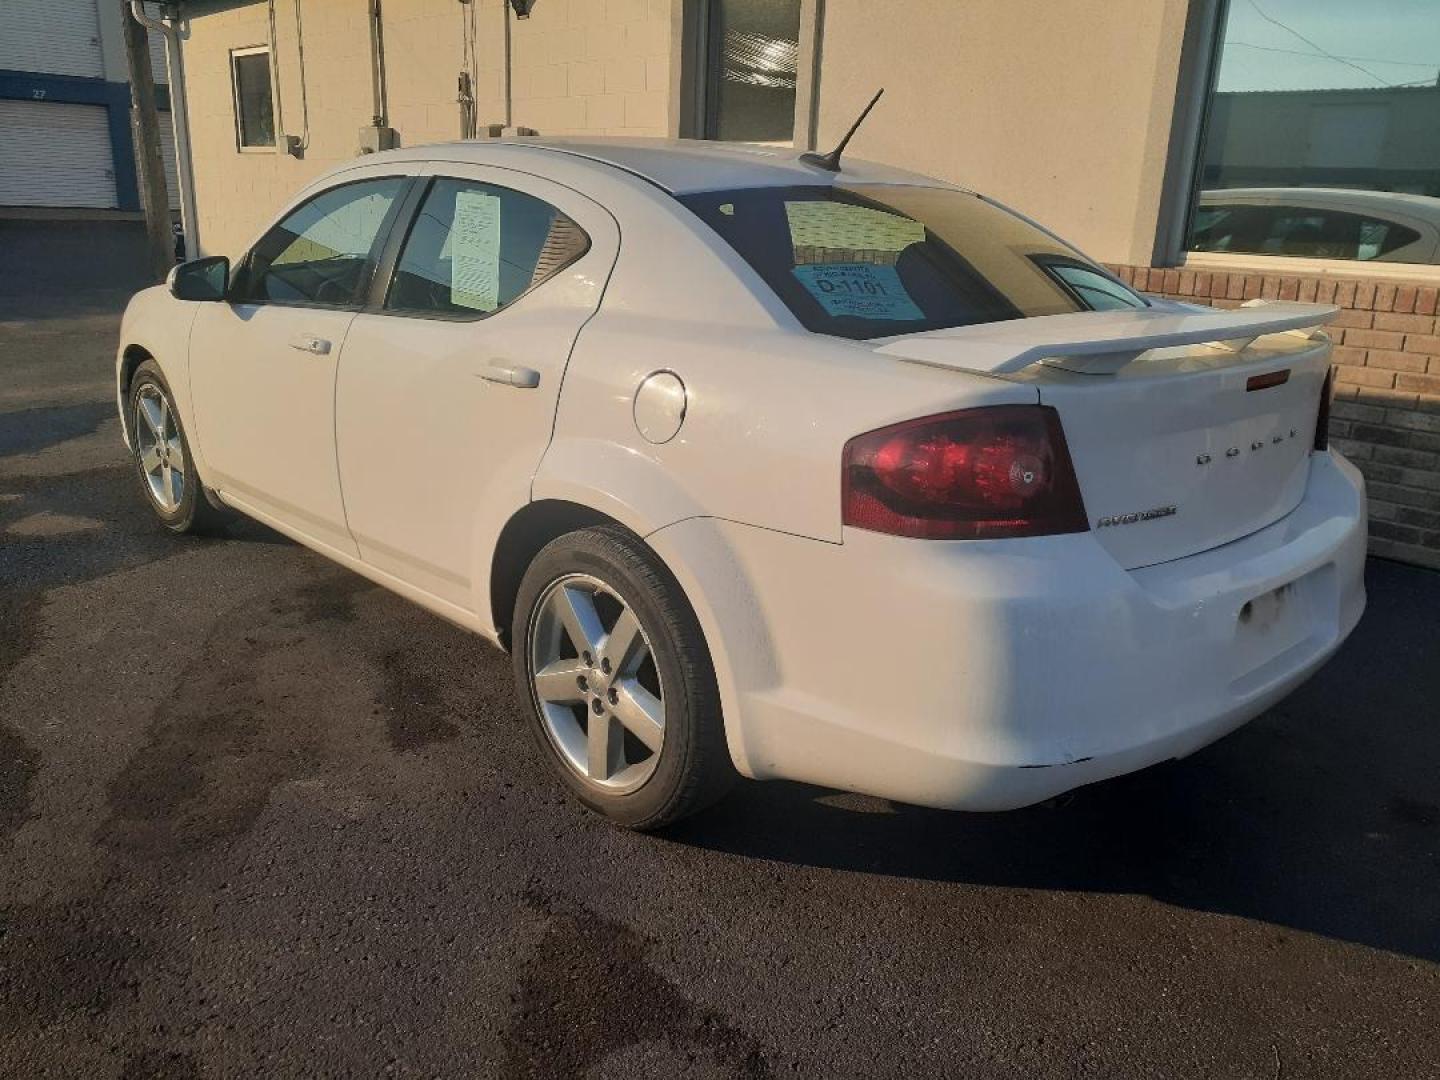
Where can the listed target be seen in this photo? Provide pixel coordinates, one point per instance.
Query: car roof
(678, 165)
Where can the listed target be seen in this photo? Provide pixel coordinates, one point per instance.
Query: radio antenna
(831, 161)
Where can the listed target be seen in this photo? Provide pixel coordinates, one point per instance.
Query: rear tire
(603, 635)
(161, 454)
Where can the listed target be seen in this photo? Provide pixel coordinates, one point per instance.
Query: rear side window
(872, 260)
(476, 247)
(1096, 291)
(1309, 232)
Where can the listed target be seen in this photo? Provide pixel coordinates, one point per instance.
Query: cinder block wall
(578, 66)
(1386, 412)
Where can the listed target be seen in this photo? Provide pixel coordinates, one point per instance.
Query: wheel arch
(131, 357)
(527, 531)
(536, 524)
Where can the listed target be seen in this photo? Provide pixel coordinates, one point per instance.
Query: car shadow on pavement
(1320, 816)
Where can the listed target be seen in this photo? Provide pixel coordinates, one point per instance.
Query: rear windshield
(875, 260)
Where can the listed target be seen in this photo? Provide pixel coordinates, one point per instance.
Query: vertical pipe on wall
(509, 94)
(169, 29)
(380, 109)
(304, 91)
(282, 140)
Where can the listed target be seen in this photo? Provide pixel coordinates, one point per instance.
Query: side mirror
(200, 279)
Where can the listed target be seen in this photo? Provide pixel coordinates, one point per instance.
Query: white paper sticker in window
(860, 290)
(475, 251)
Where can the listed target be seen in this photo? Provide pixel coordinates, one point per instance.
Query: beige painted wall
(1060, 109)
(599, 66)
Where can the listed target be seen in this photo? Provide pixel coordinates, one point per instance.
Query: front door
(263, 364)
(447, 394)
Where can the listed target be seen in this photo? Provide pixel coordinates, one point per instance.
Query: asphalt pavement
(258, 816)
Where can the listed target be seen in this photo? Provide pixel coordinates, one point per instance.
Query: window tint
(750, 77)
(254, 110)
(1312, 232)
(1323, 102)
(1096, 291)
(321, 252)
(871, 260)
(476, 247)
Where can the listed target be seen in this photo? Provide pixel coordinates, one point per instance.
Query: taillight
(1322, 420)
(986, 473)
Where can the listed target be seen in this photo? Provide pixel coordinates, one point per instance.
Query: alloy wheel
(596, 683)
(161, 451)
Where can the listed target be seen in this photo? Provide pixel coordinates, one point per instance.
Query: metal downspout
(179, 122)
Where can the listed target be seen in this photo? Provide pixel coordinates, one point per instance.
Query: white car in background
(850, 477)
(1319, 223)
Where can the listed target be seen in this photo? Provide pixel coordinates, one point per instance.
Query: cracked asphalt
(258, 816)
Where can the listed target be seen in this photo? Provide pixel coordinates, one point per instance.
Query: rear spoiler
(1104, 341)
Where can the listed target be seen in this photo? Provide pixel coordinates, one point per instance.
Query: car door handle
(311, 344)
(522, 378)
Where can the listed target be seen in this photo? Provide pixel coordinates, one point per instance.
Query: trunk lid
(1188, 428)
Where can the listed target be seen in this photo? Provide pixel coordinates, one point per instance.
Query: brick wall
(1386, 413)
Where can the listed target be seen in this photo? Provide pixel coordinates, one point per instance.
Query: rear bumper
(987, 676)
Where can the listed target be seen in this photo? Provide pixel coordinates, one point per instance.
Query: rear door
(449, 380)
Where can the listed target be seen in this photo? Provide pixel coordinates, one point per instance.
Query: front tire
(162, 458)
(618, 683)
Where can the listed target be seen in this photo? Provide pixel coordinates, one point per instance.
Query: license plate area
(1291, 617)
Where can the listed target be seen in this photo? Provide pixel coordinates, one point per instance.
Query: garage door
(52, 38)
(167, 154)
(55, 155)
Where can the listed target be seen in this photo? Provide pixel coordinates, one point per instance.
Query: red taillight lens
(1322, 420)
(977, 474)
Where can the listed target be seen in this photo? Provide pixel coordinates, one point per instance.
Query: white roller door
(158, 69)
(167, 152)
(167, 156)
(55, 155)
(50, 37)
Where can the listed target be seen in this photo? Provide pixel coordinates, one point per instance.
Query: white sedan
(849, 477)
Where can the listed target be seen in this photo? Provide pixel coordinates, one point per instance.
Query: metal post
(145, 124)
(179, 120)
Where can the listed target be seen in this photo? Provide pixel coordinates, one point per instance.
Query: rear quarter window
(867, 261)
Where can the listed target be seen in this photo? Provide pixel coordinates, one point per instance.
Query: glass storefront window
(1323, 133)
(754, 46)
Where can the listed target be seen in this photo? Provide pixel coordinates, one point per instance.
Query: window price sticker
(859, 290)
(475, 251)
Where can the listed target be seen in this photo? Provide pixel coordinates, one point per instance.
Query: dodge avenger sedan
(763, 466)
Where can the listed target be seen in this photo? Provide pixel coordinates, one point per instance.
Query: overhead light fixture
(522, 8)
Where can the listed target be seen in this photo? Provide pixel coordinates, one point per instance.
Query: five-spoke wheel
(162, 457)
(596, 683)
(161, 451)
(610, 657)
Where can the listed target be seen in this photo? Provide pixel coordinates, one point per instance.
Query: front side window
(754, 48)
(476, 247)
(254, 107)
(1323, 133)
(875, 260)
(322, 252)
